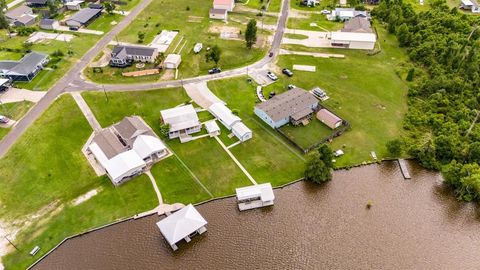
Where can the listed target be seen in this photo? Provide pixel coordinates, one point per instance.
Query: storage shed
(172, 61)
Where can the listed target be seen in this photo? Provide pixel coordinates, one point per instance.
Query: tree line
(442, 120)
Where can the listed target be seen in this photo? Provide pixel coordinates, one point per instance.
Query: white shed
(241, 131)
(255, 196)
(172, 61)
(212, 128)
(218, 14)
(182, 224)
(350, 40)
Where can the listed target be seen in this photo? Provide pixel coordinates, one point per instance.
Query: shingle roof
(39, 2)
(84, 15)
(109, 143)
(47, 22)
(357, 25)
(25, 19)
(288, 104)
(130, 127)
(18, 12)
(328, 118)
(26, 65)
(120, 50)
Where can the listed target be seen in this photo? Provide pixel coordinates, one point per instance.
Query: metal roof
(84, 15)
(348, 36)
(264, 191)
(47, 21)
(133, 50)
(28, 64)
(328, 118)
(180, 224)
(180, 118)
(224, 114)
(287, 104)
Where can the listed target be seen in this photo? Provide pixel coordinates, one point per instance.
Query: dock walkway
(404, 169)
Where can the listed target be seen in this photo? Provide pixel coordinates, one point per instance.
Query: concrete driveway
(17, 95)
(315, 38)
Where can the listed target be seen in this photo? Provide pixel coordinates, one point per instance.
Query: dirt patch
(86, 196)
(217, 29)
(169, 74)
(195, 19)
(139, 73)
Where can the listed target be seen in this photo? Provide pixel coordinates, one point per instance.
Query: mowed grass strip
(13, 111)
(45, 172)
(204, 157)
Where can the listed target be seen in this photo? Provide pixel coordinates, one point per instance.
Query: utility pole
(10, 242)
(105, 92)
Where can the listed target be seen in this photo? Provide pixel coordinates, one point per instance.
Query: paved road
(73, 81)
(69, 77)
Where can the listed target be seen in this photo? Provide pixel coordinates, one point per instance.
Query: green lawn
(322, 23)
(306, 136)
(324, 4)
(13, 111)
(364, 90)
(38, 198)
(80, 44)
(194, 26)
(105, 22)
(273, 5)
(129, 6)
(267, 156)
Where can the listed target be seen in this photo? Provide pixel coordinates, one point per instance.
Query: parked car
(325, 12)
(287, 72)
(272, 76)
(319, 93)
(214, 70)
(291, 86)
(272, 94)
(73, 28)
(4, 119)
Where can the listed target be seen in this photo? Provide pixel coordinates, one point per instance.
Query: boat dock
(404, 169)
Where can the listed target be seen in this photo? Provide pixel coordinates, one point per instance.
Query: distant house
(295, 106)
(344, 14)
(218, 14)
(21, 16)
(350, 40)
(471, 5)
(329, 119)
(125, 149)
(230, 121)
(254, 196)
(73, 5)
(49, 24)
(83, 17)
(227, 5)
(182, 120)
(182, 225)
(123, 56)
(36, 3)
(309, 3)
(95, 6)
(172, 61)
(24, 70)
(357, 25)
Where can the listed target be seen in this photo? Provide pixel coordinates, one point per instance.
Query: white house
(346, 13)
(224, 4)
(172, 61)
(254, 196)
(125, 149)
(182, 225)
(182, 120)
(351, 40)
(230, 121)
(212, 128)
(218, 14)
(471, 5)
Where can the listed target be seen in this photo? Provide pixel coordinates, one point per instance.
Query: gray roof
(26, 19)
(26, 65)
(131, 127)
(47, 22)
(109, 143)
(39, 2)
(357, 25)
(84, 15)
(122, 51)
(18, 12)
(291, 103)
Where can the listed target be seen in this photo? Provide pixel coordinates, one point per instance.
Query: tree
(141, 36)
(251, 33)
(319, 165)
(3, 19)
(164, 130)
(214, 55)
(394, 147)
(109, 7)
(410, 74)
(403, 35)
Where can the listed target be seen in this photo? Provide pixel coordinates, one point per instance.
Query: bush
(394, 147)
(25, 31)
(57, 53)
(187, 8)
(319, 165)
(411, 74)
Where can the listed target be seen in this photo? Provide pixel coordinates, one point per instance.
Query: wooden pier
(404, 169)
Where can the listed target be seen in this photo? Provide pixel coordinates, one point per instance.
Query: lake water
(413, 224)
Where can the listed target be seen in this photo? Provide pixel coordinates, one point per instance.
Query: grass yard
(194, 26)
(57, 67)
(324, 4)
(267, 156)
(38, 199)
(364, 90)
(200, 156)
(306, 136)
(105, 22)
(322, 24)
(129, 6)
(13, 111)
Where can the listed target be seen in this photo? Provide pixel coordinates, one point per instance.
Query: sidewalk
(86, 111)
(236, 161)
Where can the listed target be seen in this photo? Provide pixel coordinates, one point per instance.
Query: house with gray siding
(123, 56)
(295, 106)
